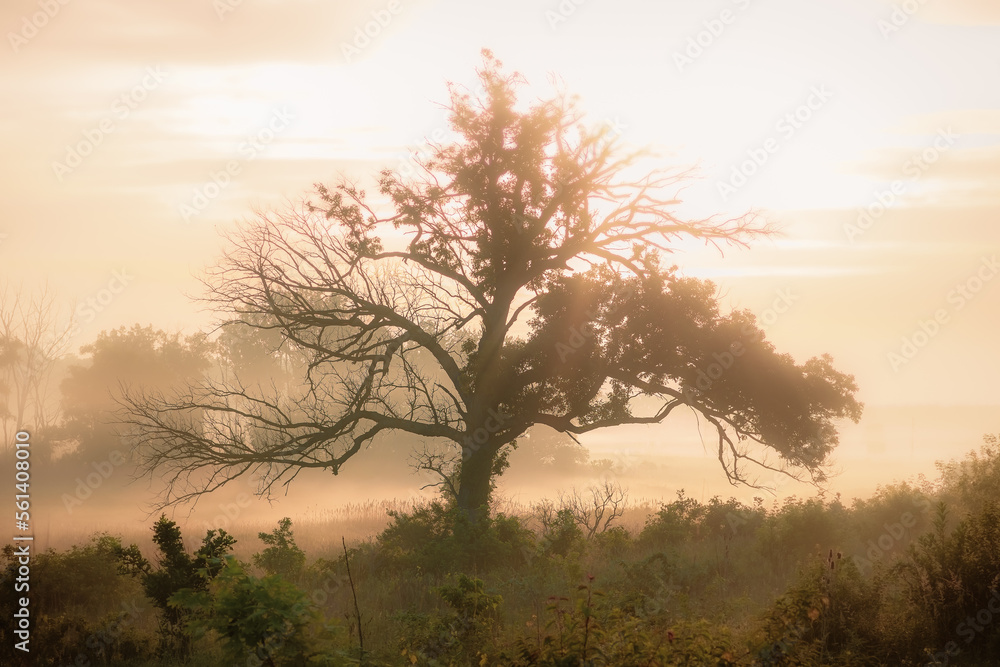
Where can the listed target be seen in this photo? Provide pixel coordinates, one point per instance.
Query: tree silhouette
(31, 341)
(518, 281)
(140, 355)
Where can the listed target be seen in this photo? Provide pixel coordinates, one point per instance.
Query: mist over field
(559, 333)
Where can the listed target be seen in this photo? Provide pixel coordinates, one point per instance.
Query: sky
(867, 132)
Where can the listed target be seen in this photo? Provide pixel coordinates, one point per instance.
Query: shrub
(952, 576)
(75, 598)
(561, 536)
(261, 620)
(972, 483)
(177, 570)
(282, 556)
(586, 631)
(613, 542)
(832, 615)
(458, 637)
(438, 539)
(673, 524)
(798, 531)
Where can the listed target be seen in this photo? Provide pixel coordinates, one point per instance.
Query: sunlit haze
(135, 132)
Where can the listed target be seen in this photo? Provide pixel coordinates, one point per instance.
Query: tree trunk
(474, 481)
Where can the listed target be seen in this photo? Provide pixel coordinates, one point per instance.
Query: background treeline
(70, 405)
(910, 576)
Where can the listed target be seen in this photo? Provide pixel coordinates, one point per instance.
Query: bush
(951, 577)
(262, 621)
(177, 571)
(613, 542)
(437, 539)
(75, 640)
(81, 581)
(832, 615)
(460, 637)
(561, 536)
(586, 631)
(673, 524)
(799, 530)
(79, 604)
(282, 556)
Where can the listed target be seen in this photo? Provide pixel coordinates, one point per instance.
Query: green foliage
(799, 530)
(583, 631)
(952, 575)
(668, 596)
(562, 536)
(613, 542)
(673, 523)
(687, 520)
(459, 637)
(436, 538)
(72, 640)
(831, 616)
(83, 580)
(971, 483)
(79, 606)
(282, 556)
(177, 570)
(261, 620)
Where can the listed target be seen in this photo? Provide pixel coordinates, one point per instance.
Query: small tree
(596, 509)
(282, 556)
(177, 570)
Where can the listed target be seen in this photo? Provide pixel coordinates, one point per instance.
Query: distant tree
(543, 452)
(139, 356)
(519, 281)
(31, 340)
(256, 354)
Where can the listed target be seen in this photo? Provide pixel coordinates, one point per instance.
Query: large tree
(517, 281)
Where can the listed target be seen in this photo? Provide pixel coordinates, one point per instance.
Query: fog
(122, 237)
(271, 248)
